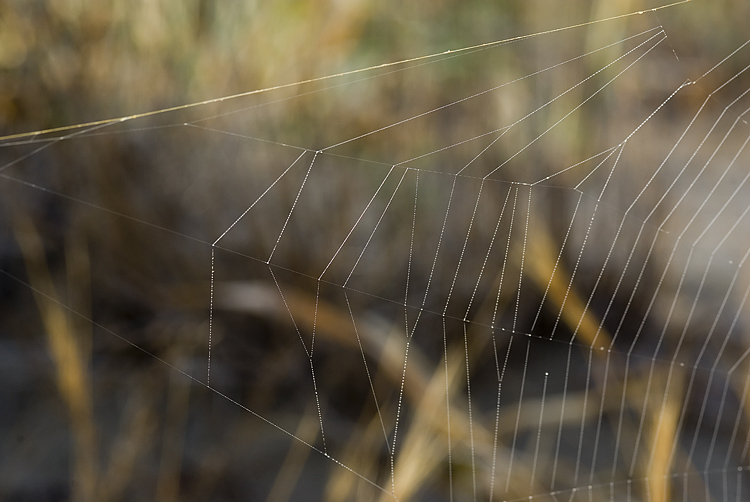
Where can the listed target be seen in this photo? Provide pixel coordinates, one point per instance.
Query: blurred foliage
(87, 416)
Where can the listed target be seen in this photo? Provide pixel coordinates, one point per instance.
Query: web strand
(634, 308)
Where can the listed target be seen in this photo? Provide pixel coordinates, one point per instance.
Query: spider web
(492, 294)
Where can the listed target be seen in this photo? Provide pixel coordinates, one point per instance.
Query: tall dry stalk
(70, 360)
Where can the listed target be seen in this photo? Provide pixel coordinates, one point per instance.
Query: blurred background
(509, 271)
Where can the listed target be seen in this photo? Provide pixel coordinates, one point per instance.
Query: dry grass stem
(663, 425)
(71, 369)
(137, 427)
(294, 462)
